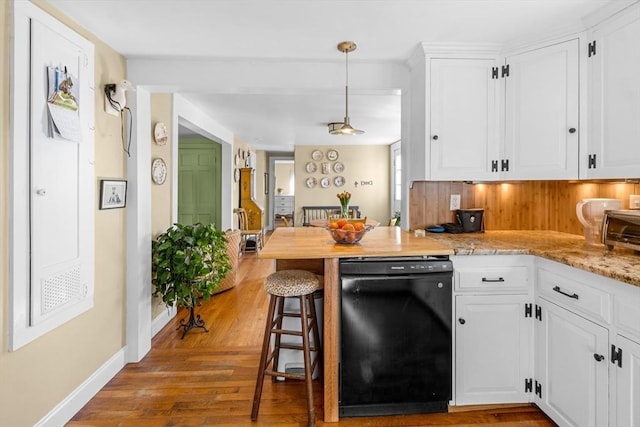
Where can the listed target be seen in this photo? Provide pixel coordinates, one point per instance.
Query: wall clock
(158, 171)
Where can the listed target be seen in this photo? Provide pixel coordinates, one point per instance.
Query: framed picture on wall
(113, 193)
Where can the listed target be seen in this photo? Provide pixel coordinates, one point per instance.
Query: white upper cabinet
(614, 99)
(541, 113)
(463, 128)
(516, 121)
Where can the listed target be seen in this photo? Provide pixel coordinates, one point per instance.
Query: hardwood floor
(208, 379)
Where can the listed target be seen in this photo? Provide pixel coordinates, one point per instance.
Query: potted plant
(188, 263)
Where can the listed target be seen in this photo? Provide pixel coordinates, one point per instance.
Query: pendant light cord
(346, 88)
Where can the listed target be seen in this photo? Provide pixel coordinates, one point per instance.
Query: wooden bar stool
(280, 285)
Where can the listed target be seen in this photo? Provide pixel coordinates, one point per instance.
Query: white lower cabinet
(627, 377)
(571, 375)
(493, 342)
(532, 330)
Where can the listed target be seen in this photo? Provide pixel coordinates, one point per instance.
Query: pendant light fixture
(345, 128)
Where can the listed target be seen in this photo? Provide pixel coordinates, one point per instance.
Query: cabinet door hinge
(528, 385)
(616, 355)
(591, 49)
(538, 389)
(494, 166)
(505, 165)
(505, 70)
(538, 312)
(592, 161)
(494, 72)
(528, 310)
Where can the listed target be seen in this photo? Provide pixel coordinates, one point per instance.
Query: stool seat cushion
(291, 283)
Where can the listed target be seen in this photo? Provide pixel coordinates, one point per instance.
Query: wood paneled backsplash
(527, 205)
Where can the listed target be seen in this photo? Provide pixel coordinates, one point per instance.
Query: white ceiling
(294, 30)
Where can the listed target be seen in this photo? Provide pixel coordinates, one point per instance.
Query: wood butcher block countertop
(316, 242)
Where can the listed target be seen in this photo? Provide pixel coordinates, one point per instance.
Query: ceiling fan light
(344, 128)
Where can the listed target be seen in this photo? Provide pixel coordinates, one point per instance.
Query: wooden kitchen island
(312, 248)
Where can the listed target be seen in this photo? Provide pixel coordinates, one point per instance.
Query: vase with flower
(344, 198)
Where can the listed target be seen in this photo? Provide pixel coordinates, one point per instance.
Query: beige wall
(41, 374)
(283, 172)
(361, 163)
(161, 111)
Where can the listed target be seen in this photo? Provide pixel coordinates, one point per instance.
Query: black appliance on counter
(395, 335)
(471, 220)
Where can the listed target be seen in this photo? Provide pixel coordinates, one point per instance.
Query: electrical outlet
(455, 202)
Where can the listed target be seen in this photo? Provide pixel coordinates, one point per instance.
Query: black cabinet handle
(499, 279)
(572, 130)
(462, 321)
(434, 137)
(598, 357)
(560, 291)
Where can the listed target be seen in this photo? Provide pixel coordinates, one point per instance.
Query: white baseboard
(162, 319)
(65, 410)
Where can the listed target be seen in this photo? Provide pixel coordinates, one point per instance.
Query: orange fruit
(358, 226)
(341, 222)
(348, 227)
(333, 225)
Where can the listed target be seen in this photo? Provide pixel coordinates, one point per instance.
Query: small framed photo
(113, 193)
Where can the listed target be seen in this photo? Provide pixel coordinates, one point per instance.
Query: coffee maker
(471, 220)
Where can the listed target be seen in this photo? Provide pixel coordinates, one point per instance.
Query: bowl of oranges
(348, 231)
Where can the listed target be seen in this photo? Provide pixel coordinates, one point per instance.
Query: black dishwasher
(395, 335)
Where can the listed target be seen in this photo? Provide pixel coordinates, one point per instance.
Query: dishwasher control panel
(396, 265)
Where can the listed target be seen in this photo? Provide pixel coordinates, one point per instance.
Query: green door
(199, 182)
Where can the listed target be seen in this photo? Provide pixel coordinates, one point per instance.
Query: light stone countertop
(619, 264)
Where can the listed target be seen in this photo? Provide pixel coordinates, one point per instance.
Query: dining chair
(247, 233)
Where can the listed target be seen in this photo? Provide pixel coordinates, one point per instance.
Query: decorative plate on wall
(325, 182)
(316, 155)
(236, 175)
(332, 155)
(310, 167)
(326, 168)
(158, 171)
(338, 181)
(311, 182)
(160, 134)
(338, 167)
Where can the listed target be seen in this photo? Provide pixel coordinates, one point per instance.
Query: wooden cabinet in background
(255, 213)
